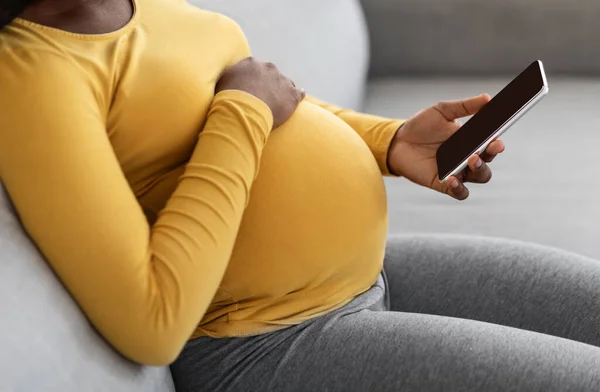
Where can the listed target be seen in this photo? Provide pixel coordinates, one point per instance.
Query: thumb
(452, 110)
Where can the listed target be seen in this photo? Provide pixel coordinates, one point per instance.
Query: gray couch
(421, 51)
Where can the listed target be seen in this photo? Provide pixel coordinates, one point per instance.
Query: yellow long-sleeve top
(169, 212)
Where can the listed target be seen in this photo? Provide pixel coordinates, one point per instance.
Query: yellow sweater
(143, 189)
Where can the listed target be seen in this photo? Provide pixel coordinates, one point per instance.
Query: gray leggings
(457, 314)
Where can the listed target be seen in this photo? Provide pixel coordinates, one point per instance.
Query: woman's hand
(413, 151)
(265, 82)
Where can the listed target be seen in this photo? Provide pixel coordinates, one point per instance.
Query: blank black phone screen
(475, 132)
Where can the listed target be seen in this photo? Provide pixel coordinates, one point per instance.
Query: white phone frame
(513, 119)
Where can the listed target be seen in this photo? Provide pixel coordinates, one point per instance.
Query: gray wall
(483, 36)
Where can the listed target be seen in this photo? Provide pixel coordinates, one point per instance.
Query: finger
(452, 110)
(302, 93)
(478, 171)
(456, 189)
(496, 147)
(475, 162)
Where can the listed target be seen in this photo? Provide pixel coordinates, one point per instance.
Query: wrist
(392, 155)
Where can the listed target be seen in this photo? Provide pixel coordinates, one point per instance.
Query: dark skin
(412, 151)
(81, 16)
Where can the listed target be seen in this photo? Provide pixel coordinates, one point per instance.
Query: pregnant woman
(206, 213)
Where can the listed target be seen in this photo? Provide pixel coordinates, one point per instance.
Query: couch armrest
(482, 37)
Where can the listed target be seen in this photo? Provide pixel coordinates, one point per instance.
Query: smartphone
(492, 120)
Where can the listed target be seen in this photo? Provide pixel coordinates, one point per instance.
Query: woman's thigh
(392, 351)
(498, 281)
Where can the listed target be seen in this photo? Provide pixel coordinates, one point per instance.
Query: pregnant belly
(317, 216)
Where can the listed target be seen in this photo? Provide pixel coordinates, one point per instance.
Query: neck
(81, 16)
(10, 9)
(55, 8)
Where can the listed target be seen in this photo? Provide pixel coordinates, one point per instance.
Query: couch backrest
(321, 44)
(46, 344)
(470, 37)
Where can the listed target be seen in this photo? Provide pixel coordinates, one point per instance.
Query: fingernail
(478, 163)
(454, 184)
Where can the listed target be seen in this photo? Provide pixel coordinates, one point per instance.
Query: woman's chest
(155, 120)
(162, 92)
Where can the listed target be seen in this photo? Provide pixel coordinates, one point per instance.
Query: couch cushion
(322, 45)
(46, 342)
(475, 36)
(545, 186)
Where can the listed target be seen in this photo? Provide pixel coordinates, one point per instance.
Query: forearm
(144, 288)
(193, 238)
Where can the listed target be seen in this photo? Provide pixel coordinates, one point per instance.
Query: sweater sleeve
(377, 132)
(144, 288)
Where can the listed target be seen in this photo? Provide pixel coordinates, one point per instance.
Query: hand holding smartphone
(492, 120)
